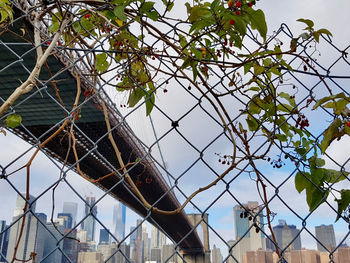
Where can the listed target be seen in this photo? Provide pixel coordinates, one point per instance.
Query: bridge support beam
(197, 258)
(201, 223)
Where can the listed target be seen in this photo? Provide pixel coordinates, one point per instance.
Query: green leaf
(55, 22)
(281, 137)
(324, 31)
(314, 197)
(288, 97)
(331, 133)
(135, 96)
(254, 105)
(278, 51)
(319, 162)
(13, 120)
(194, 71)
(301, 182)
(119, 13)
(153, 15)
(247, 67)
(257, 21)
(150, 99)
(252, 124)
(258, 69)
(308, 22)
(325, 99)
(197, 13)
(101, 62)
(186, 63)
(343, 202)
(334, 176)
(146, 7)
(316, 36)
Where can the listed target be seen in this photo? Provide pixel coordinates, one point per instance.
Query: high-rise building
(216, 255)
(20, 203)
(89, 224)
(158, 239)
(133, 255)
(326, 237)
(67, 219)
(139, 241)
(104, 236)
(71, 208)
(145, 239)
(33, 235)
(284, 235)
(70, 246)
(250, 238)
(4, 240)
(119, 217)
(52, 254)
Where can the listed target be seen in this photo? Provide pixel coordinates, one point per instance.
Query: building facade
(104, 236)
(119, 217)
(326, 237)
(285, 234)
(4, 240)
(89, 224)
(216, 256)
(71, 208)
(249, 237)
(67, 219)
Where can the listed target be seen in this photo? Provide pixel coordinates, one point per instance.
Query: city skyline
(148, 242)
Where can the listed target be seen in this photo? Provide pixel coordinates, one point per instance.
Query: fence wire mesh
(180, 147)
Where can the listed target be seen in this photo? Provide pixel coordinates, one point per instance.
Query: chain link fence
(96, 149)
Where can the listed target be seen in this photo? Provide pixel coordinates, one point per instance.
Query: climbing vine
(213, 37)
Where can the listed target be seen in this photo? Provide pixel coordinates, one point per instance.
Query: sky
(200, 129)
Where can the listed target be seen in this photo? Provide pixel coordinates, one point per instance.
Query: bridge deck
(41, 110)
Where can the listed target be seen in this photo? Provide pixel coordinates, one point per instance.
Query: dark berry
(232, 22)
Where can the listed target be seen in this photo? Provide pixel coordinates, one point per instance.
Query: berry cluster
(236, 7)
(247, 214)
(276, 163)
(225, 159)
(302, 122)
(76, 116)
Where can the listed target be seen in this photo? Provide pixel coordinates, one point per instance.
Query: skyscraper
(158, 239)
(4, 239)
(67, 219)
(20, 203)
(33, 234)
(284, 235)
(104, 236)
(119, 217)
(52, 254)
(89, 224)
(216, 255)
(252, 239)
(326, 237)
(71, 208)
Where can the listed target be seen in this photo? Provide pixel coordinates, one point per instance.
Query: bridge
(43, 111)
